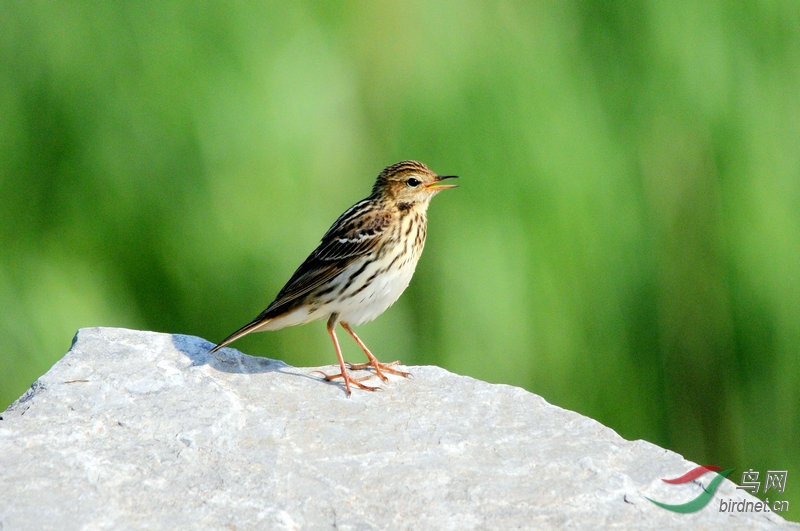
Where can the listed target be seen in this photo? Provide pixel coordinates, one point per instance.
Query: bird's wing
(357, 232)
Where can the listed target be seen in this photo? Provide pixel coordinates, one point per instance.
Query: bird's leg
(373, 361)
(342, 366)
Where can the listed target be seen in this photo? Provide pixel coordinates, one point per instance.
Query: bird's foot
(349, 380)
(379, 368)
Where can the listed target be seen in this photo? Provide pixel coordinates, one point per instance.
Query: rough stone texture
(145, 430)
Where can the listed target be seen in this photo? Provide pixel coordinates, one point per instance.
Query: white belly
(372, 301)
(359, 295)
(353, 305)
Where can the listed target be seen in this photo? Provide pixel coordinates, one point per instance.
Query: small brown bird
(361, 267)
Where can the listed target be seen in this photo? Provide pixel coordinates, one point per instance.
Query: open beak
(438, 185)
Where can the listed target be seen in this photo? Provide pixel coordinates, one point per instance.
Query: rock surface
(145, 430)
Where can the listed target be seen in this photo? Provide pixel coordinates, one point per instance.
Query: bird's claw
(348, 380)
(379, 368)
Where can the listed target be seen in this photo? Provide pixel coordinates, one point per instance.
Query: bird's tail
(253, 326)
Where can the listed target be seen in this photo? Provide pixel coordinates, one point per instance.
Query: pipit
(361, 267)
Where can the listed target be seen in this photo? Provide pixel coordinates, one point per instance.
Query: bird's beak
(437, 184)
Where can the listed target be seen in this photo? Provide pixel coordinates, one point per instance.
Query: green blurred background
(625, 241)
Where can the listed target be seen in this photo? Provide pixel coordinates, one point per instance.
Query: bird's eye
(413, 182)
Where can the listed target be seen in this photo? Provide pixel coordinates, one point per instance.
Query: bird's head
(410, 183)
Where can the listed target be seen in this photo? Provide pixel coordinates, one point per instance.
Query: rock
(141, 430)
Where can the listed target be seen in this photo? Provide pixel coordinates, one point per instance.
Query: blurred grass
(625, 241)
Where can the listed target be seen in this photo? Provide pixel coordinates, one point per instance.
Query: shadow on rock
(225, 360)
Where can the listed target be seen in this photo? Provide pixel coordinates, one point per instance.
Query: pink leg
(342, 366)
(373, 361)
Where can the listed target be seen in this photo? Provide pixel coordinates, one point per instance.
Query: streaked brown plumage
(362, 265)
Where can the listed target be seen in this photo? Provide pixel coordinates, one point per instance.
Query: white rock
(144, 430)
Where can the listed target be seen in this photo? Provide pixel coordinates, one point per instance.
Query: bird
(361, 266)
